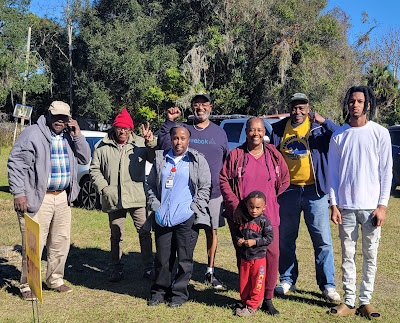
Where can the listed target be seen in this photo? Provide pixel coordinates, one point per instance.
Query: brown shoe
(63, 289)
(342, 310)
(369, 312)
(28, 296)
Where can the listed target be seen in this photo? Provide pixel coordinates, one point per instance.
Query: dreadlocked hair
(369, 98)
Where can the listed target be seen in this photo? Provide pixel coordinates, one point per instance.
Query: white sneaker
(283, 288)
(331, 295)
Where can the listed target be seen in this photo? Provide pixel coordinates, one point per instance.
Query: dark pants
(184, 237)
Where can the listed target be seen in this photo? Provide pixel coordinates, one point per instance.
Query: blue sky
(386, 12)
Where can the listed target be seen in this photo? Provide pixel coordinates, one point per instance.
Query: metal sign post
(24, 113)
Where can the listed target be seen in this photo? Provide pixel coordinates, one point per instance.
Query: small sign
(33, 266)
(22, 111)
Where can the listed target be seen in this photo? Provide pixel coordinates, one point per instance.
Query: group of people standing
(259, 188)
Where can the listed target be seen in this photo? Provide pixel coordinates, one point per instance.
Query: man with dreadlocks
(360, 176)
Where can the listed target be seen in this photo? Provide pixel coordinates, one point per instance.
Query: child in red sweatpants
(253, 237)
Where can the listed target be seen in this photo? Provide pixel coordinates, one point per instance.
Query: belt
(54, 192)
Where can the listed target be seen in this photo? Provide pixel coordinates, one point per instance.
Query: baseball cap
(202, 94)
(59, 107)
(298, 97)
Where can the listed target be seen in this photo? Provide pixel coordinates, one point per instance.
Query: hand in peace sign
(147, 133)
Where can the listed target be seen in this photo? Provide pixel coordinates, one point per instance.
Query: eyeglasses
(201, 105)
(121, 129)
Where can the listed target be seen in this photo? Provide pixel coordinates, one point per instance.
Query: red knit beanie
(123, 120)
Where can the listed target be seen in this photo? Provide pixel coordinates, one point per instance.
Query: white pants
(348, 233)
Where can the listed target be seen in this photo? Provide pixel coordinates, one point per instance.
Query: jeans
(304, 198)
(348, 233)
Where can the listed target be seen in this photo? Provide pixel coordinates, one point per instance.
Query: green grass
(94, 299)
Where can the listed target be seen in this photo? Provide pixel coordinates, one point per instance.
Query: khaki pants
(54, 217)
(117, 226)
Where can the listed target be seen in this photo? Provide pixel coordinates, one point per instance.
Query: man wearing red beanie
(118, 172)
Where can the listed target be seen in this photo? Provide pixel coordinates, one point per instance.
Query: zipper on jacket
(312, 163)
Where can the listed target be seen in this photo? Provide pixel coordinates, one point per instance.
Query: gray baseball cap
(298, 97)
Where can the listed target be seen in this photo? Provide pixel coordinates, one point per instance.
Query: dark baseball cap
(298, 97)
(202, 94)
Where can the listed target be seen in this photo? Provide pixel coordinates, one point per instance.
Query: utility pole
(69, 29)
(28, 51)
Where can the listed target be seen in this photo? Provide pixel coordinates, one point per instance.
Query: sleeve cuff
(17, 195)
(383, 201)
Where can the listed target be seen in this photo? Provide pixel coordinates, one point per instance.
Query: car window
(395, 135)
(92, 141)
(233, 131)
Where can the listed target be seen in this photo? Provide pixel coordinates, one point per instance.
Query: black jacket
(259, 229)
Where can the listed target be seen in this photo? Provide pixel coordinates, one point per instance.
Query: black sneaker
(213, 281)
(116, 276)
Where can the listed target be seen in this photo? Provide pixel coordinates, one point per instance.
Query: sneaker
(213, 281)
(331, 295)
(245, 312)
(28, 296)
(154, 302)
(116, 276)
(63, 289)
(283, 288)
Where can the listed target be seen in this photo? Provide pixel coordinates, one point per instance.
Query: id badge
(169, 182)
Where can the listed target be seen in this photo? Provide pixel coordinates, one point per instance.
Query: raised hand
(317, 118)
(173, 113)
(73, 127)
(147, 133)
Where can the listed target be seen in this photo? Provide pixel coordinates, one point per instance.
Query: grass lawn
(94, 299)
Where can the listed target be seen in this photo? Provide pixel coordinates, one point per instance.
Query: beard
(203, 117)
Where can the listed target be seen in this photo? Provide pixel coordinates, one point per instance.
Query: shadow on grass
(9, 273)
(301, 296)
(91, 268)
(5, 189)
(395, 193)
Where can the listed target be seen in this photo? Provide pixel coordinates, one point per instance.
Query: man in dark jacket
(42, 174)
(303, 139)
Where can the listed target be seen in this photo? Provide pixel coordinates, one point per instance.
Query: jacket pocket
(109, 198)
(133, 195)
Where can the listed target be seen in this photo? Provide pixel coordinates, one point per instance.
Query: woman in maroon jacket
(256, 166)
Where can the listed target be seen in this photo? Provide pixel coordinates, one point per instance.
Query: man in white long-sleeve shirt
(360, 176)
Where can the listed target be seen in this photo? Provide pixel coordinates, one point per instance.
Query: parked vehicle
(272, 118)
(235, 131)
(88, 196)
(395, 136)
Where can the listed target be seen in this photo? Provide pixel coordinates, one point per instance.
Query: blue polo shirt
(175, 200)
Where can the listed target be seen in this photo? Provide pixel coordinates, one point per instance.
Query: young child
(253, 237)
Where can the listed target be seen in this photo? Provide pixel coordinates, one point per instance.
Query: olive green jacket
(118, 172)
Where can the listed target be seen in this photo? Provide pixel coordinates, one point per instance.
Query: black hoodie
(259, 229)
